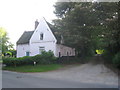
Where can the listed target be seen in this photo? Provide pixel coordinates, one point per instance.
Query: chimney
(36, 23)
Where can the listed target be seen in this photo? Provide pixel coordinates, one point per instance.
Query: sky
(17, 16)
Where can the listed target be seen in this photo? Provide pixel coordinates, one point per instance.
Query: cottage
(43, 38)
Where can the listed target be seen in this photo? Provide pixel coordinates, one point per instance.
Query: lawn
(1, 61)
(30, 68)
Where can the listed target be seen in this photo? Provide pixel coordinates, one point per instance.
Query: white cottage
(42, 38)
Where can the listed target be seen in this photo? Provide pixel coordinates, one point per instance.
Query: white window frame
(41, 48)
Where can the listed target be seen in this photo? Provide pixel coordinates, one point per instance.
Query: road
(23, 80)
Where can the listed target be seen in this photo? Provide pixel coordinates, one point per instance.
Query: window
(27, 53)
(41, 36)
(41, 49)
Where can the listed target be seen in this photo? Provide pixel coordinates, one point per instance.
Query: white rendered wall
(47, 33)
(48, 41)
(34, 47)
(22, 49)
(64, 50)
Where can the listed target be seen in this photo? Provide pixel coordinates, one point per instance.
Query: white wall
(22, 49)
(64, 49)
(48, 41)
(34, 47)
(47, 34)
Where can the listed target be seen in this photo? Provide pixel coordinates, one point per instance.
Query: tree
(84, 25)
(5, 43)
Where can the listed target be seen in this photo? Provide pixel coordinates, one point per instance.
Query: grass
(30, 68)
(1, 61)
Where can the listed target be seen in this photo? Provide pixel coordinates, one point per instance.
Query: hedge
(116, 60)
(44, 58)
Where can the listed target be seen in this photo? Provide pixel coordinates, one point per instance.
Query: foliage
(9, 61)
(112, 40)
(83, 24)
(99, 51)
(31, 68)
(89, 26)
(9, 53)
(108, 56)
(13, 52)
(4, 39)
(116, 60)
(44, 58)
(68, 60)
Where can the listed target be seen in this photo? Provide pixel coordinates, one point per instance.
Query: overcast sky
(17, 16)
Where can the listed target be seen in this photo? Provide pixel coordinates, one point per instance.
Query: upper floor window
(41, 36)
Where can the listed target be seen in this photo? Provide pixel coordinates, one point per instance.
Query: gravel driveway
(86, 73)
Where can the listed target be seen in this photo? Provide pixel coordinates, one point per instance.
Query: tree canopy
(5, 44)
(88, 26)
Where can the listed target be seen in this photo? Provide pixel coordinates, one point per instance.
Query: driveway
(85, 73)
(76, 76)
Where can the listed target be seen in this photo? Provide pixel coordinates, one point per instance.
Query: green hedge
(116, 60)
(69, 60)
(43, 58)
(108, 57)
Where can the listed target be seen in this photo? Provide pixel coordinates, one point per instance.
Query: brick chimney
(36, 23)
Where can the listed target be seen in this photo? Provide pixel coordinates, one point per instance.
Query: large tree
(85, 25)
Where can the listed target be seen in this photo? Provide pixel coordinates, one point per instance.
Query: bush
(9, 61)
(48, 57)
(116, 60)
(68, 60)
(25, 60)
(43, 58)
(108, 56)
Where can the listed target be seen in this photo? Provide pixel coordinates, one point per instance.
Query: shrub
(25, 60)
(9, 61)
(36, 58)
(43, 58)
(68, 60)
(116, 60)
(48, 57)
(108, 56)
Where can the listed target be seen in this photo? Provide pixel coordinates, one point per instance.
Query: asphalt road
(22, 80)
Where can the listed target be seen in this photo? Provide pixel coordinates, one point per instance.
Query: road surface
(23, 80)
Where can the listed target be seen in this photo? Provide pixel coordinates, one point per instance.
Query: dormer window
(41, 36)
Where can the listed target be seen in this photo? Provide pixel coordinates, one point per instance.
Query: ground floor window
(27, 53)
(41, 49)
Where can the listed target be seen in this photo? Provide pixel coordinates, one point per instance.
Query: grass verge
(30, 68)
